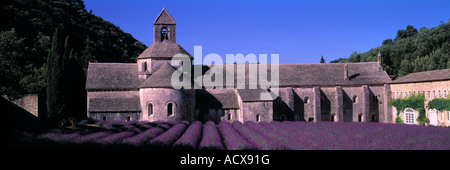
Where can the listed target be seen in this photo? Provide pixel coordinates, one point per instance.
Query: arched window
(128, 118)
(409, 116)
(170, 108)
(150, 109)
(445, 93)
(333, 117)
(373, 118)
(306, 100)
(429, 94)
(164, 34)
(103, 117)
(355, 99)
(229, 116)
(257, 118)
(439, 93)
(360, 117)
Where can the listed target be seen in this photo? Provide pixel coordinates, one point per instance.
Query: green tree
(322, 60)
(387, 41)
(11, 63)
(54, 76)
(409, 32)
(405, 68)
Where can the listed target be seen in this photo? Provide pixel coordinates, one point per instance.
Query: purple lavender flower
(166, 139)
(233, 140)
(191, 138)
(211, 138)
(114, 138)
(143, 137)
(258, 140)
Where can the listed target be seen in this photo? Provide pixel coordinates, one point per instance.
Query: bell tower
(164, 27)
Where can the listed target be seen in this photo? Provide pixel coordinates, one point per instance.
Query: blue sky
(299, 31)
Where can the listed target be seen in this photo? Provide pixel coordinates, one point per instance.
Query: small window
(257, 118)
(360, 117)
(103, 117)
(448, 115)
(144, 66)
(434, 94)
(429, 94)
(306, 100)
(164, 34)
(373, 118)
(333, 117)
(150, 109)
(170, 108)
(439, 93)
(229, 116)
(355, 99)
(445, 93)
(310, 119)
(128, 118)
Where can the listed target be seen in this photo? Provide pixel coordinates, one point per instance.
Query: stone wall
(183, 105)
(122, 116)
(254, 110)
(32, 103)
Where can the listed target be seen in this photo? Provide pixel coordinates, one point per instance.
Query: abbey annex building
(348, 92)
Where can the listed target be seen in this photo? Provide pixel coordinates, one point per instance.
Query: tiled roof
(164, 18)
(117, 104)
(112, 76)
(164, 49)
(434, 75)
(217, 98)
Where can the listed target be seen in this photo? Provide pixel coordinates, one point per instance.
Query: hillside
(410, 51)
(26, 33)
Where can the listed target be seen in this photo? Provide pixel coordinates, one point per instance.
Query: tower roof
(165, 49)
(164, 18)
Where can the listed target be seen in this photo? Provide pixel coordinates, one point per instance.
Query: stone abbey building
(307, 92)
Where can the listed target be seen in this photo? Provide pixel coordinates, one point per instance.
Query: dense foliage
(415, 102)
(45, 47)
(250, 135)
(439, 104)
(411, 51)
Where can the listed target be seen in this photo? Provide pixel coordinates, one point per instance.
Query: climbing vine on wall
(439, 104)
(414, 102)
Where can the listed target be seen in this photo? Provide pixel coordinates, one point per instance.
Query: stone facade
(432, 89)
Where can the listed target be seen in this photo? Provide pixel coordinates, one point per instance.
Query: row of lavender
(253, 136)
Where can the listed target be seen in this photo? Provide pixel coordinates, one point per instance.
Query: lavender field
(247, 136)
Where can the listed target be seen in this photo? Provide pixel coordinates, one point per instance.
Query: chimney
(380, 68)
(346, 72)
